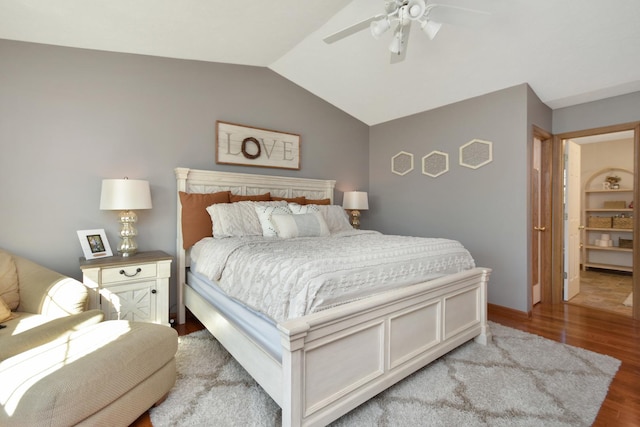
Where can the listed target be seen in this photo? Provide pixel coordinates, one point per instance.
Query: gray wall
(487, 208)
(71, 117)
(607, 112)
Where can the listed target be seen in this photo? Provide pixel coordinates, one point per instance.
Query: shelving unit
(606, 257)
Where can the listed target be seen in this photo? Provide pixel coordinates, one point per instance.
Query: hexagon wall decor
(476, 153)
(402, 163)
(435, 164)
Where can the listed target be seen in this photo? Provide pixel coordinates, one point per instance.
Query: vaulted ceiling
(569, 51)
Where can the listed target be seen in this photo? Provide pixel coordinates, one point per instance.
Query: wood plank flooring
(596, 330)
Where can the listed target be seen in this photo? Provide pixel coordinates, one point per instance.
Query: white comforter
(288, 278)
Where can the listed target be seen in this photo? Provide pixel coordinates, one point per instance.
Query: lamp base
(355, 219)
(128, 232)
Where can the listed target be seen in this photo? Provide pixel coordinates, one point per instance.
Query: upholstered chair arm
(44, 291)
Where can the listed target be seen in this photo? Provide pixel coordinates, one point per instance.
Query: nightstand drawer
(129, 272)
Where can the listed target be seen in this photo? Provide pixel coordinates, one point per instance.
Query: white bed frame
(336, 359)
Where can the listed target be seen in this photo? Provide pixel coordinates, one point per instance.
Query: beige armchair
(61, 365)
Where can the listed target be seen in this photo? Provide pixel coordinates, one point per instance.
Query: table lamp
(126, 195)
(355, 201)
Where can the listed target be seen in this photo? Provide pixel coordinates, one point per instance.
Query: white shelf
(620, 190)
(606, 257)
(608, 248)
(608, 267)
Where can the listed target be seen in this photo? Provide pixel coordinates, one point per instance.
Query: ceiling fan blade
(455, 15)
(351, 30)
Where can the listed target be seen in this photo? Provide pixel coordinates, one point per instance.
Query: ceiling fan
(402, 13)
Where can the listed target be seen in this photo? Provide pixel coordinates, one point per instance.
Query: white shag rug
(629, 301)
(519, 379)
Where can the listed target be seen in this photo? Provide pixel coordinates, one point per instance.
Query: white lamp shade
(125, 194)
(355, 200)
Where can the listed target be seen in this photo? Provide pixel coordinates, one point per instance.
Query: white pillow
(335, 216)
(264, 216)
(303, 209)
(301, 225)
(237, 219)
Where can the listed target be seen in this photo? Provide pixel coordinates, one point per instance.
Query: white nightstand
(130, 288)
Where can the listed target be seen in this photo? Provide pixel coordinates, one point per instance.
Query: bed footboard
(337, 359)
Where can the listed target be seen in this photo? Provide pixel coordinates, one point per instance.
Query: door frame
(557, 166)
(545, 220)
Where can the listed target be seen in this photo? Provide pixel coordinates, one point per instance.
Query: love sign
(250, 146)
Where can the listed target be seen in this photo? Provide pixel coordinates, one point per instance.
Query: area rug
(519, 379)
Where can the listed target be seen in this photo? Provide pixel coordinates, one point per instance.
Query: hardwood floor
(596, 330)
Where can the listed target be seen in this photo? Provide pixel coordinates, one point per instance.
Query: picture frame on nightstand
(94, 243)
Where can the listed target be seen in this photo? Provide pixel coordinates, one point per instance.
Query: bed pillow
(299, 200)
(237, 219)
(196, 222)
(318, 201)
(264, 216)
(9, 290)
(297, 209)
(335, 216)
(302, 225)
(250, 198)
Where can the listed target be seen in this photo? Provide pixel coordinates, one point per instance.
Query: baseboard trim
(499, 310)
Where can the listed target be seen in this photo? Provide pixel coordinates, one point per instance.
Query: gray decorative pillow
(335, 216)
(301, 225)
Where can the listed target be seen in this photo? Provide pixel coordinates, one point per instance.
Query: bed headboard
(203, 181)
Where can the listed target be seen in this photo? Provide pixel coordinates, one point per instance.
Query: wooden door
(572, 228)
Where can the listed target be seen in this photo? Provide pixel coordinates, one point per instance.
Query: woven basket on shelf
(599, 222)
(625, 243)
(622, 222)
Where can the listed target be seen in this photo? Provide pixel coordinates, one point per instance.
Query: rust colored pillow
(299, 200)
(318, 201)
(266, 197)
(196, 222)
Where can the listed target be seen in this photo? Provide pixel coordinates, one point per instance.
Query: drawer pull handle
(138, 270)
(153, 291)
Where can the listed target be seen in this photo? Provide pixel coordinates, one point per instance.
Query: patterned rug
(518, 380)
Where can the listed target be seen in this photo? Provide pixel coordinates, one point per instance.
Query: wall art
(435, 164)
(251, 146)
(402, 163)
(476, 153)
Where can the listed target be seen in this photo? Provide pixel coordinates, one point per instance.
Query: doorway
(558, 216)
(598, 230)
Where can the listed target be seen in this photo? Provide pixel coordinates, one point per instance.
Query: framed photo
(94, 244)
(250, 146)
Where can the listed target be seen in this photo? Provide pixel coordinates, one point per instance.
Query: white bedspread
(289, 278)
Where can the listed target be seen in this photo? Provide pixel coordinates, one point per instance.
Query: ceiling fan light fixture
(379, 27)
(397, 43)
(416, 9)
(430, 28)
